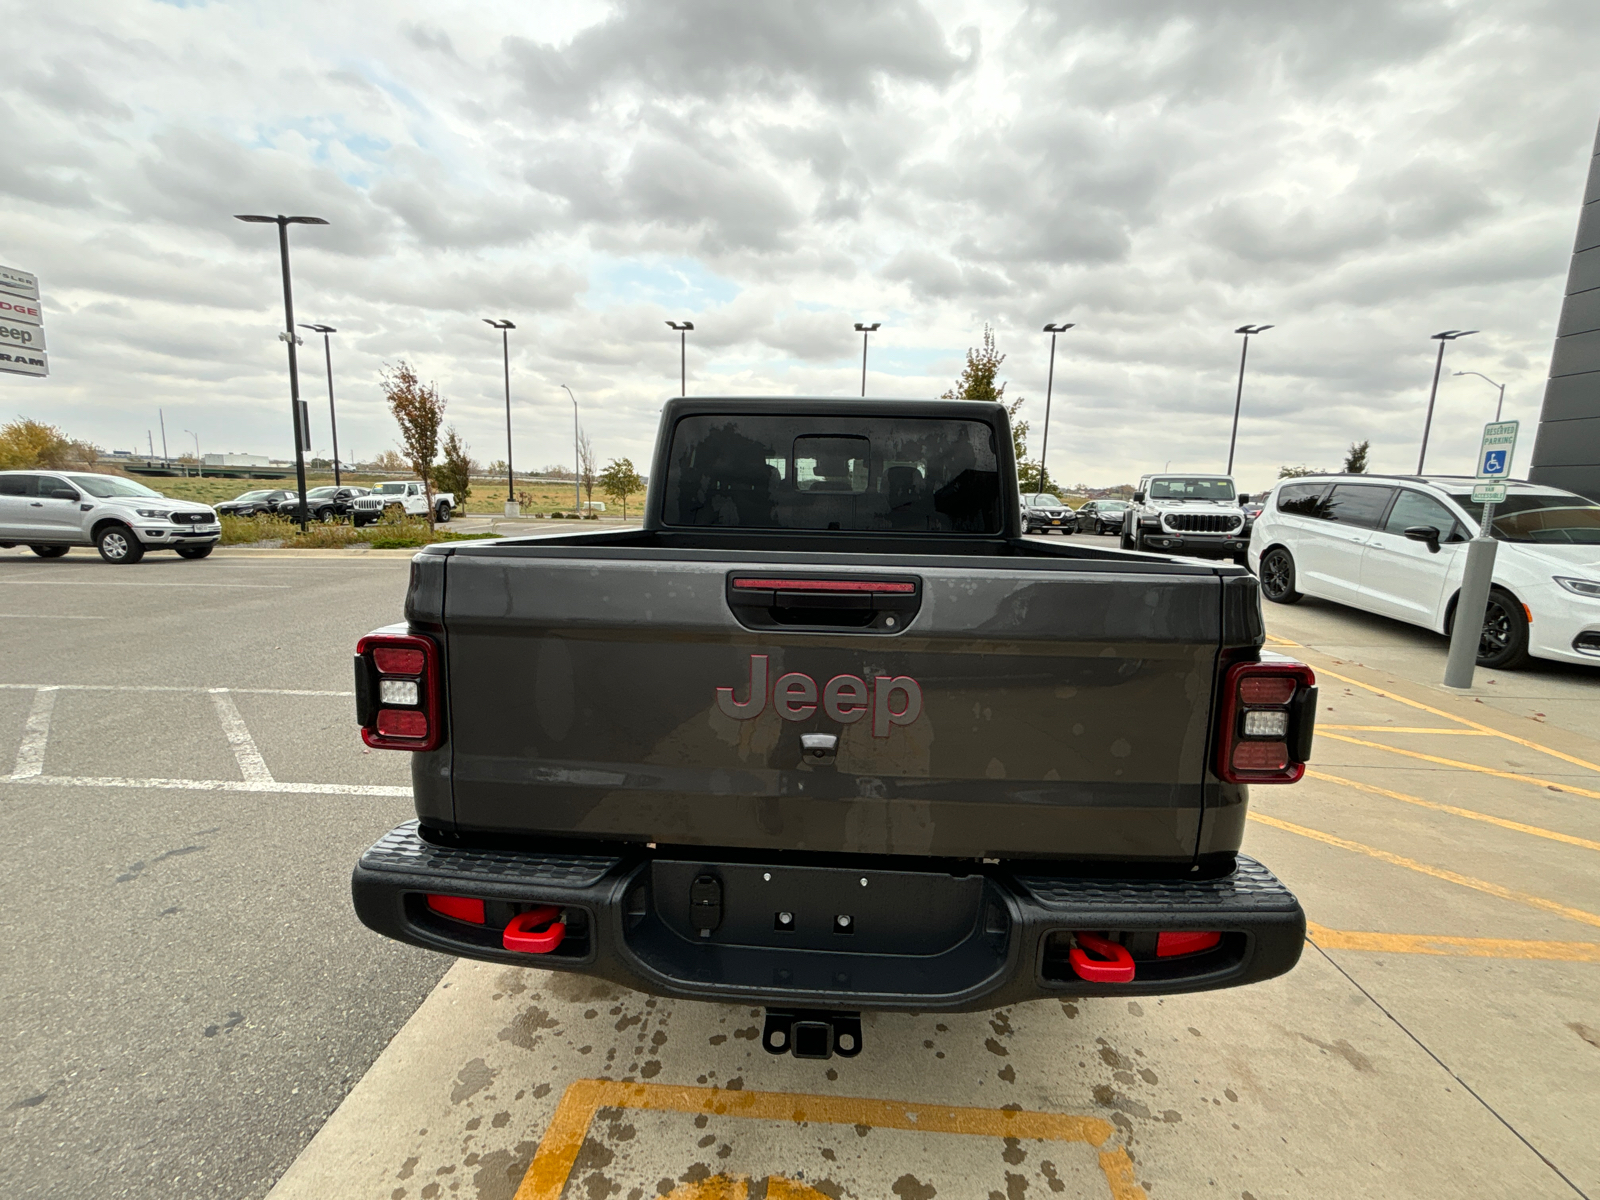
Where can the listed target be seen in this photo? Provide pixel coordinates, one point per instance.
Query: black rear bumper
(912, 940)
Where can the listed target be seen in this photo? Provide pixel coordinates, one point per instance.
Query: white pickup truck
(52, 511)
(407, 495)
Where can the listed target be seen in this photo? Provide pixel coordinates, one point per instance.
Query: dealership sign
(21, 324)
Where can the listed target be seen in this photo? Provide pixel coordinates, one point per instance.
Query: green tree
(454, 475)
(619, 481)
(978, 382)
(1300, 472)
(27, 443)
(1355, 462)
(419, 411)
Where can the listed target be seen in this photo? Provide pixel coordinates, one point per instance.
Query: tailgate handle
(879, 604)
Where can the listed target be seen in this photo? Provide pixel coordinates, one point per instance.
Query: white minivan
(1396, 546)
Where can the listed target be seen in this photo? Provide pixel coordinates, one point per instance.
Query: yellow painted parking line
(1466, 766)
(558, 1150)
(1438, 944)
(1280, 641)
(1411, 864)
(1516, 826)
(1408, 729)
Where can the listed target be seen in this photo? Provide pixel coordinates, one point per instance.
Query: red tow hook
(1118, 970)
(521, 933)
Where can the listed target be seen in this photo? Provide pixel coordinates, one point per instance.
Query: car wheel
(324, 515)
(117, 544)
(1277, 576)
(48, 551)
(1504, 643)
(441, 513)
(195, 551)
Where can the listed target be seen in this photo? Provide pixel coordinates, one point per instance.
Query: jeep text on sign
(21, 337)
(844, 698)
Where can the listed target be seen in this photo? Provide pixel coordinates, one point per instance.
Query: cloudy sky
(1360, 175)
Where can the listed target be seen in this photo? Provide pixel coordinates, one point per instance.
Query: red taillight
(392, 660)
(1264, 730)
(399, 692)
(402, 722)
(461, 908)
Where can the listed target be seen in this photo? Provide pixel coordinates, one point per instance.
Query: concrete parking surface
(1441, 1036)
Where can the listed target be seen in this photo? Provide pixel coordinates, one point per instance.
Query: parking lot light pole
(577, 458)
(1449, 335)
(1502, 401)
(327, 353)
(1049, 386)
(683, 360)
(1238, 393)
(864, 330)
(289, 336)
(505, 355)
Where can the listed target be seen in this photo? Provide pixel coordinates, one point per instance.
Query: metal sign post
(1494, 465)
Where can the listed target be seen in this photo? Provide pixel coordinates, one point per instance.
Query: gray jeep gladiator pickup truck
(828, 734)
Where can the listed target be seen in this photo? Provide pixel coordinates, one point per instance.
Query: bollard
(1474, 600)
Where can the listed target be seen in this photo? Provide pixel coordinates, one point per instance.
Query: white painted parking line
(164, 687)
(46, 617)
(30, 755)
(275, 786)
(251, 765)
(104, 583)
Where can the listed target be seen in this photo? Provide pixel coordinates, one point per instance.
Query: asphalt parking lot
(198, 997)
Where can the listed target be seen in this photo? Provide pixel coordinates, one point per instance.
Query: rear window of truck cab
(852, 474)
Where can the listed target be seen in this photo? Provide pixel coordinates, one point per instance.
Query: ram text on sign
(21, 337)
(22, 283)
(24, 362)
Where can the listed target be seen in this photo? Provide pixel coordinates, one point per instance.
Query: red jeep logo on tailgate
(845, 698)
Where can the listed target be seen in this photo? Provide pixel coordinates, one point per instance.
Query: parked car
(408, 496)
(1395, 545)
(52, 511)
(1187, 514)
(254, 504)
(1102, 516)
(1044, 513)
(322, 503)
(875, 749)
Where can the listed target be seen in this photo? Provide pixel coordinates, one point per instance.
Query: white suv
(1396, 546)
(52, 511)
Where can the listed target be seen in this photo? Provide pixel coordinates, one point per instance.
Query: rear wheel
(194, 551)
(441, 513)
(117, 544)
(1277, 576)
(48, 551)
(1504, 642)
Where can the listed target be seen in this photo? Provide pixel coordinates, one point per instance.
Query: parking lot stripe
(1481, 885)
(1466, 766)
(1517, 826)
(275, 786)
(30, 755)
(1408, 729)
(164, 687)
(1439, 944)
(552, 1163)
(46, 617)
(105, 583)
(251, 765)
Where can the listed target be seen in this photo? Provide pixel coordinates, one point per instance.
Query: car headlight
(155, 514)
(1581, 587)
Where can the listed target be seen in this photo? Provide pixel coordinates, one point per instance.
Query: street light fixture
(1049, 387)
(683, 361)
(1501, 403)
(300, 432)
(1449, 335)
(1238, 394)
(505, 354)
(577, 459)
(327, 353)
(864, 330)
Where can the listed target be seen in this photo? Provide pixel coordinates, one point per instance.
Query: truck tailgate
(1025, 711)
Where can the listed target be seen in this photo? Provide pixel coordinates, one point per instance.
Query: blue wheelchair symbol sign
(1494, 462)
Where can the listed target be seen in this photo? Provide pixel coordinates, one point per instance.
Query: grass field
(486, 497)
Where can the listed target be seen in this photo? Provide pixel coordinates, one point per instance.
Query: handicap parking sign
(1498, 447)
